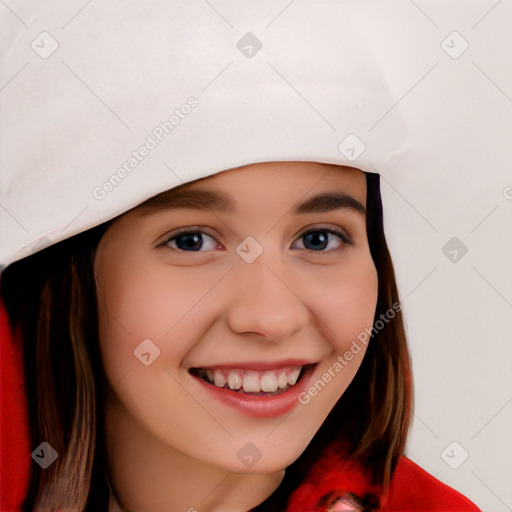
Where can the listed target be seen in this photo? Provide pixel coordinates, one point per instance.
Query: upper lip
(259, 365)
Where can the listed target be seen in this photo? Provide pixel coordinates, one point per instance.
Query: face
(228, 310)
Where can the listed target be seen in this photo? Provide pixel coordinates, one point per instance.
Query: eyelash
(193, 230)
(334, 231)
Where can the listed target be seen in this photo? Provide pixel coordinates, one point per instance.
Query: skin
(168, 442)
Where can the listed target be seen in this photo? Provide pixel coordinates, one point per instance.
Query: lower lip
(262, 406)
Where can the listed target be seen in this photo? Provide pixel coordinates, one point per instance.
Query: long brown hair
(51, 301)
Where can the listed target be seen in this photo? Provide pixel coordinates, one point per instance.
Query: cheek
(137, 307)
(345, 303)
(133, 306)
(149, 303)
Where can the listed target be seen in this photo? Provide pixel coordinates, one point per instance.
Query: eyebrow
(209, 200)
(327, 202)
(190, 199)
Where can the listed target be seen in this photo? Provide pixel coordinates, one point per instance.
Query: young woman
(200, 311)
(232, 344)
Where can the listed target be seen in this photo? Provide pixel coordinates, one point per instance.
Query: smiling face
(223, 302)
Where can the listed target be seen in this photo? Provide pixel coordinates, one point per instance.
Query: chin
(266, 464)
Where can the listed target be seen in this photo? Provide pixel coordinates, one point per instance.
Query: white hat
(106, 104)
(107, 108)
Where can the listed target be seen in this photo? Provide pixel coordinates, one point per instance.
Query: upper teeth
(252, 381)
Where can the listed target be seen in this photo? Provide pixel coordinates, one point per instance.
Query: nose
(264, 301)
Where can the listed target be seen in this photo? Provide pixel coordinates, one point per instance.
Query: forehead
(289, 174)
(263, 183)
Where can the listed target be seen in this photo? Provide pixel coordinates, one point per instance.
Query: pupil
(316, 240)
(191, 241)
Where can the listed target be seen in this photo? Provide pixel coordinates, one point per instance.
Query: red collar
(334, 484)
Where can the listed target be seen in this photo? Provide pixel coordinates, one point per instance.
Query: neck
(149, 475)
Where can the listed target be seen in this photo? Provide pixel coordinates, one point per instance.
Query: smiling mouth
(253, 382)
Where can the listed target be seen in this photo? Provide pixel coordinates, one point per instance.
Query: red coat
(412, 488)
